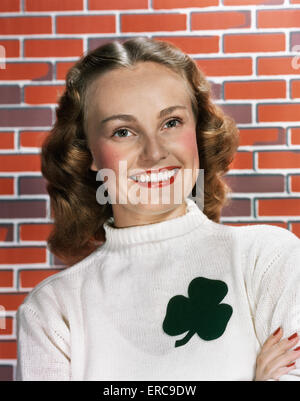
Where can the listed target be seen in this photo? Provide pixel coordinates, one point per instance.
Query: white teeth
(153, 177)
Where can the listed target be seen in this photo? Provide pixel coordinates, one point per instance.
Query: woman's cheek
(188, 143)
(108, 157)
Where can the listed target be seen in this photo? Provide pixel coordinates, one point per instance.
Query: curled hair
(66, 158)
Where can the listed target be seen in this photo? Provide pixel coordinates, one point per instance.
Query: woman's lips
(162, 169)
(159, 184)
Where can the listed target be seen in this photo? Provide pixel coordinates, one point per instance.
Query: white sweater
(183, 299)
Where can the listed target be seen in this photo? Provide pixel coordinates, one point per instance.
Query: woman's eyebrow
(129, 117)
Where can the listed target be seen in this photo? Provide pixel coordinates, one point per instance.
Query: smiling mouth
(157, 179)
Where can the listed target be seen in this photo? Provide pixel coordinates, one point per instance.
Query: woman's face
(147, 137)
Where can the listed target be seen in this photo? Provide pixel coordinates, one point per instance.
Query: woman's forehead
(108, 94)
(139, 80)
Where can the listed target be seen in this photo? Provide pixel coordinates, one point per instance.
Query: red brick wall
(243, 46)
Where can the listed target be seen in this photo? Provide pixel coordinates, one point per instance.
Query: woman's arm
(42, 348)
(277, 357)
(273, 286)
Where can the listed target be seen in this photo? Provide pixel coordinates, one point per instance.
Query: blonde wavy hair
(66, 158)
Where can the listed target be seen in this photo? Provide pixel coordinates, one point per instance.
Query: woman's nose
(153, 149)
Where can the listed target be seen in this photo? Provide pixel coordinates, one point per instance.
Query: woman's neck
(125, 216)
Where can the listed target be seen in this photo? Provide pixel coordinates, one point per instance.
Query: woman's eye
(120, 131)
(174, 119)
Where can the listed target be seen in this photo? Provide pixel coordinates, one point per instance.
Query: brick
(295, 89)
(294, 48)
(53, 47)
(295, 136)
(12, 47)
(237, 207)
(31, 278)
(6, 330)
(25, 25)
(11, 301)
(6, 232)
(241, 113)
(6, 373)
(153, 22)
(278, 112)
(86, 24)
(251, 2)
(276, 159)
(6, 140)
(22, 208)
(10, 94)
(6, 186)
(242, 160)
(7, 6)
(10, 255)
(295, 183)
(62, 69)
(53, 5)
(20, 162)
(295, 228)
(256, 183)
(193, 44)
(32, 139)
(276, 66)
(278, 207)
(254, 42)
(278, 18)
(32, 186)
(23, 71)
(294, 41)
(220, 20)
(255, 89)
(225, 66)
(26, 117)
(35, 232)
(44, 94)
(118, 4)
(262, 136)
(6, 279)
(170, 4)
(216, 90)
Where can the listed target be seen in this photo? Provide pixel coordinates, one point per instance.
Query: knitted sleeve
(43, 350)
(275, 287)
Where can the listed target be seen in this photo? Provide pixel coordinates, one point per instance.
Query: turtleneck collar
(117, 238)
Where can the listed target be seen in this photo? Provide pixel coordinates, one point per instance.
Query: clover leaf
(201, 313)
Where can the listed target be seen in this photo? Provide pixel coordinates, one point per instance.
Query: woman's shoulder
(260, 239)
(270, 233)
(257, 230)
(58, 285)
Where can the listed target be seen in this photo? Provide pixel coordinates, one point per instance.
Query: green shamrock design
(201, 313)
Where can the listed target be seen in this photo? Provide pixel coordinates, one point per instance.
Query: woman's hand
(277, 357)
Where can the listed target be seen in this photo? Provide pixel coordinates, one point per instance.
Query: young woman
(159, 289)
